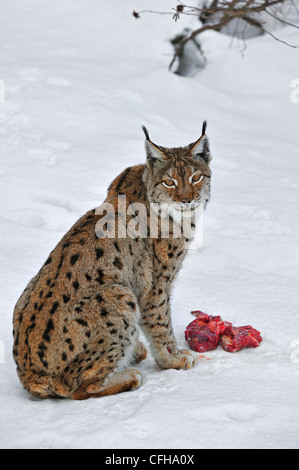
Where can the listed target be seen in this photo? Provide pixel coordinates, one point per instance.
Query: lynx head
(179, 177)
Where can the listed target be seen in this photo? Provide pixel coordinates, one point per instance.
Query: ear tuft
(145, 132)
(154, 153)
(201, 148)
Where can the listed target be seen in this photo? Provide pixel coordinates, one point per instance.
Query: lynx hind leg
(140, 353)
(37, 384)
(110, 339)
(117, 382)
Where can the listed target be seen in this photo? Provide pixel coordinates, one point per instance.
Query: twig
(220, 13)
(281, 20)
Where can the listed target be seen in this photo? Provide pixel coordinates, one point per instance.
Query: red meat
(207, 331)
(202, 336)
(236, 338)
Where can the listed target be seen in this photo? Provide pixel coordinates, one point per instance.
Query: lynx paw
(183, 359)
(188, 360)
(136, 377)
(129, 379)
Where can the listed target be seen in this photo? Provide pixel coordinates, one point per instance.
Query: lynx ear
(201, 148)
(154, 153)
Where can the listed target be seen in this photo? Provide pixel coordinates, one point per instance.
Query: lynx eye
(197, 178)
(168, 183)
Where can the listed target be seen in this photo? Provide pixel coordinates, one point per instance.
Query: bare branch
(281, 20)
(220, 13)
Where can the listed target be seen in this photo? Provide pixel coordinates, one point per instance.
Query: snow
(81, 77)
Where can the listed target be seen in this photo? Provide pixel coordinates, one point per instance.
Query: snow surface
(81, 77)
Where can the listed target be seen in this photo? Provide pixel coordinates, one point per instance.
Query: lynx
(76, 323)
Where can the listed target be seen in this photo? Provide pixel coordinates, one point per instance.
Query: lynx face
(179, 177)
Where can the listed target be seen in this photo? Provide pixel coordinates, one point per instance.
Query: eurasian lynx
(76, 323)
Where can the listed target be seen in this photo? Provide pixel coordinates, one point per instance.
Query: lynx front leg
(156, 323)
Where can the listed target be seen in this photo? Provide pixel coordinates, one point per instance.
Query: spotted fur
(76, 323)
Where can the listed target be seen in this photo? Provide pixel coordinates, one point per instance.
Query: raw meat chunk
(207, 331)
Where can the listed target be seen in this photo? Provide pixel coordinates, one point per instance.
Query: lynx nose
(186, 200)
